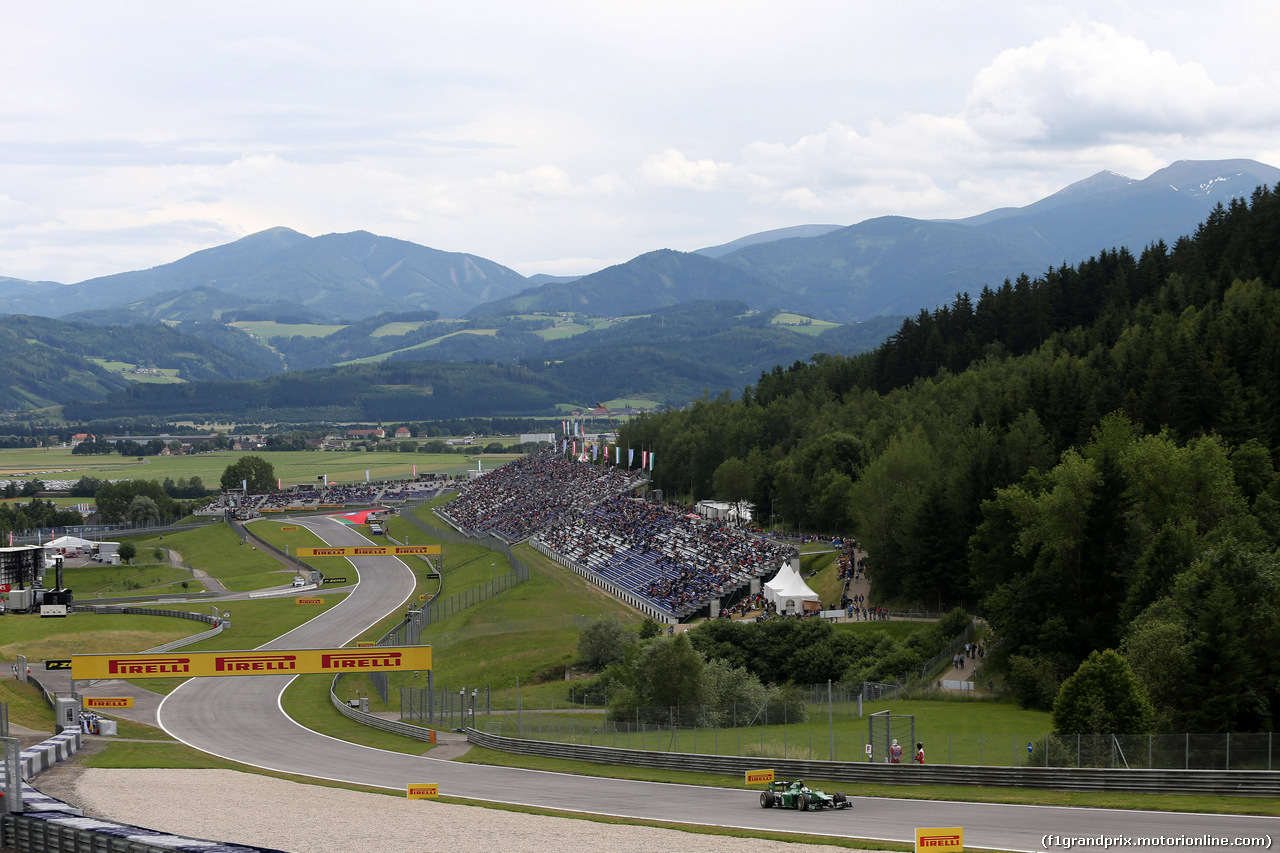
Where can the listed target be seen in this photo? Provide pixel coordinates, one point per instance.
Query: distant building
(379, 432)
(533, 437)
(165, 437)
(403, 432)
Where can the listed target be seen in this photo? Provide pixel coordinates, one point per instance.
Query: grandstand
(678, 563)
(514, 501)
(667, 563)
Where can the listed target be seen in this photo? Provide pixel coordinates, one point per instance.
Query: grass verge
(87, 633)
(182, 757)
(307, 701)
(1018, 796)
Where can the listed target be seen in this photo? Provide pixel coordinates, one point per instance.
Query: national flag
(651, 455)
(631, 456)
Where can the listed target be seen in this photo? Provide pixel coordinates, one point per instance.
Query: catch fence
(813, 725)
(409, 632)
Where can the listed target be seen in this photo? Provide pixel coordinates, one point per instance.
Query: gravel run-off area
(247, 808)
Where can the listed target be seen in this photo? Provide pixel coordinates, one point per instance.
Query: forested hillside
(1086, 458)
(672, 356)
(395, 391)
(48, 362)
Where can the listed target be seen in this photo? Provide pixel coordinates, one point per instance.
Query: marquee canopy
(789, 592)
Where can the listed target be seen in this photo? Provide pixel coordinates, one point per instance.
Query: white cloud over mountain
(585, 133)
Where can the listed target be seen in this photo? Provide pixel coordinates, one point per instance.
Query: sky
(562, 137)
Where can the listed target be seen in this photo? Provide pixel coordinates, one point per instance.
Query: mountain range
(333, 277)
(885, 266)
(664, 326)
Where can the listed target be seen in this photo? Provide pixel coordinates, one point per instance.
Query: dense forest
(1086, 458)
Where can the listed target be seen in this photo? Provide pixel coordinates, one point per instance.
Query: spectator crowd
(534, 491)
(677, 560)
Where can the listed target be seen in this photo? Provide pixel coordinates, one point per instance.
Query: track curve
(241, 718)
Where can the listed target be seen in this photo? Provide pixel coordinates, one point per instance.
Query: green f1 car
(794, 795)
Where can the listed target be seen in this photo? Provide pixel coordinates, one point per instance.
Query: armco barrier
(376, 722)
(187, 641)
(1244, 783)
(64, 832)
(147, 611)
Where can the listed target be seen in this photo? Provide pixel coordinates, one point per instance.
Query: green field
(382, 356)
(57, 501)
(804, 325)
(269, 329)
(95, 579)
(158, 376)
(954, 732)
(293, 468)
(216, 549)
(568, 328)
(395, 330)
(88, 633)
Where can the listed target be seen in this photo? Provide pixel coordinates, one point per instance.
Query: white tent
(71, 543)
(789, 592)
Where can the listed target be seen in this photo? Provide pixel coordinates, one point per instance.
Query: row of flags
(647, 457)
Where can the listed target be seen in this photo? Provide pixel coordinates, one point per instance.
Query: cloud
(1090, 83)
(549, 181)
(673, 169)
(557, 134)
(1034, 117)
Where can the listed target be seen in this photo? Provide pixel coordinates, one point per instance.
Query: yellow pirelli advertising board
(371, 551)
(101, 702)
(308, 601)
(422, 790)
(291, 662)
(944, 839)
(756, 777)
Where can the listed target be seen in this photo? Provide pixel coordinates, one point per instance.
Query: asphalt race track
(240, 718)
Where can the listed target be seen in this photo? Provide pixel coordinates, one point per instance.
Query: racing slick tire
(766, 799)
(802, 802)
(841, 801)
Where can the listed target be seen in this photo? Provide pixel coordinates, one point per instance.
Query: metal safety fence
(453, 706)
(409, 632)
(811, 724)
